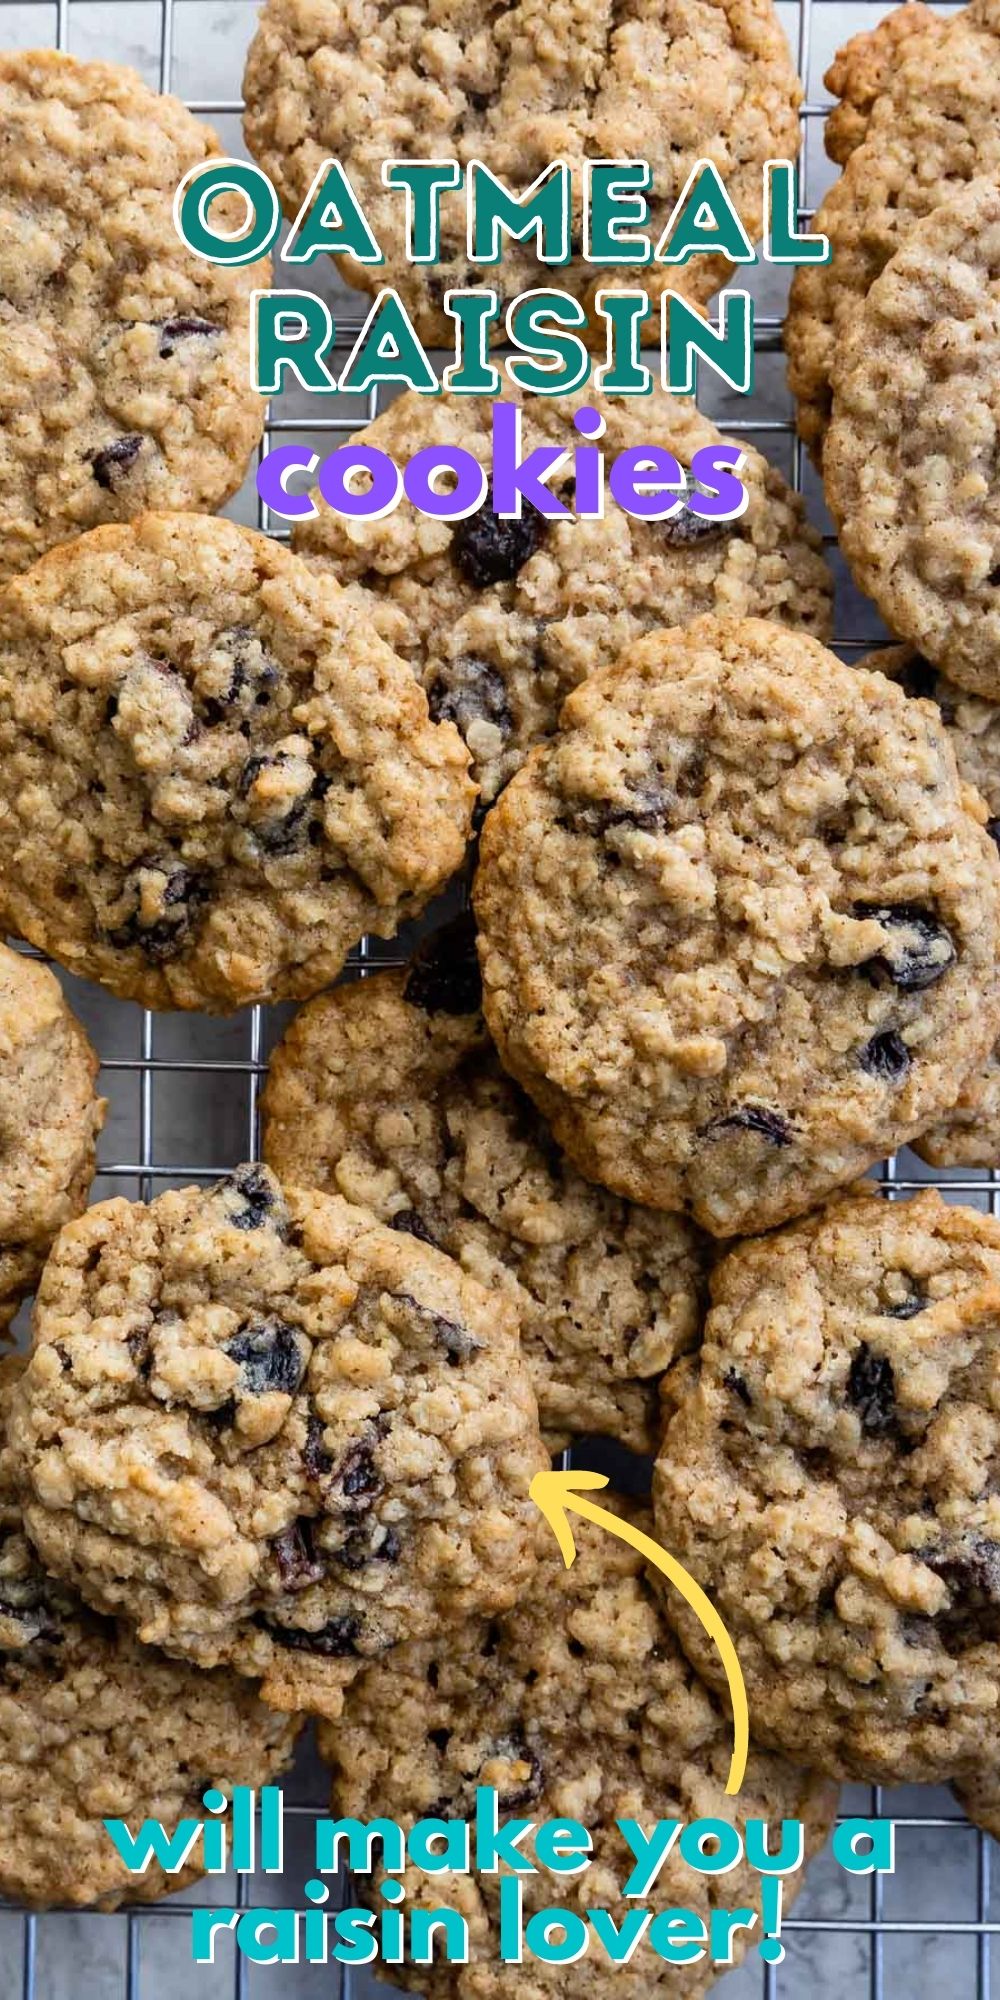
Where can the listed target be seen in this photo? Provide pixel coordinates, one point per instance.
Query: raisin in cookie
(502, 619)
(969, 1134)
(910, 456)
(215, 775)
(123, 358)
(578, 1704)
(738, 923)
(274, 1434)
(863, 70)
(50, 1117)
(830, 1477)
(518, 89)
(94, 1726)
(390, 1093)
(934, 129)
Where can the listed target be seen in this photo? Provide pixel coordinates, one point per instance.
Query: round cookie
(935, 128)
(390, 1093)
(578, 1704)
(969, 1134)
(738, 923)
(863, 70)
(909, 456)
(215, 775)
(829, 1477)
(274, 1434)
(50, 1117)
(123, 357)
(502, 620)
(94, 1726)
(683, 81)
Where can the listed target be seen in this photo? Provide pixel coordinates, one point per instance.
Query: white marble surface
(203, 1123)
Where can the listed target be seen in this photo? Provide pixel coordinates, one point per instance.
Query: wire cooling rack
(184, 1106)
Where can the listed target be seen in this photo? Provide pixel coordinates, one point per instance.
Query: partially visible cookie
(94, 1726)
(502, 619)
(969, 1134)
(979, 1798)
(934, 129)
(124, 381)
(738, 923)
(273, 1434)
(680, 81)
(50, 1117)
(910, 455)
(832, 1479)
(578, 1703)
(390, 1093)
(215, 776)
(863, 70)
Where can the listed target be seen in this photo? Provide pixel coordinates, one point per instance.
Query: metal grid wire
(886, 1935)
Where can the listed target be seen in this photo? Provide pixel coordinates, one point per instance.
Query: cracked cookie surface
(830, 1478)
(738, 923)
(216, 776)
(123, 371)
(274, 1434)
(934, 129)
(501, 627)
(579, 1703)
(94, 1726)
(863, 71)
(390, 1093)
(673, 82)
(910, 456)
(50, 1116)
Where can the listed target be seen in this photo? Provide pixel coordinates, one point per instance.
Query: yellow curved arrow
(558, 1494)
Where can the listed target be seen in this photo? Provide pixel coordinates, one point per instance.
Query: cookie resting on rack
(390, 1093)
(273, 1434)
(518, 89)
(124, 381)
(830, 1478)
(94, 1726)
(502, 619)
(969, 1134)
(216, 777)
(577, 1704)
(934, 129)
(50, 1116)
(738, 923)
(909, 462)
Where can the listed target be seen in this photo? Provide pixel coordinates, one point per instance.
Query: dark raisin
(315, 1456)
(993, 829)
(684, 528)
(409, 1223)
(886, 1056)
(919, 679)
(358, 1479)
(444, 976)
(138, 1344)
(269, 1356)
(458, 1343)
(921, 949)
(769, 1125)
(479, 100)
(187, 327)
(487, 550)
(285, 831)
(249, 677)
(466, 691)
(296, 1557)
(906, 1308)
(259, 1198)
(871, 1388)
(363, 1547)
(971, 1569)
(647, 811)
(733, 1381)
(334, 1640)
(182, 898)
(114, 459)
